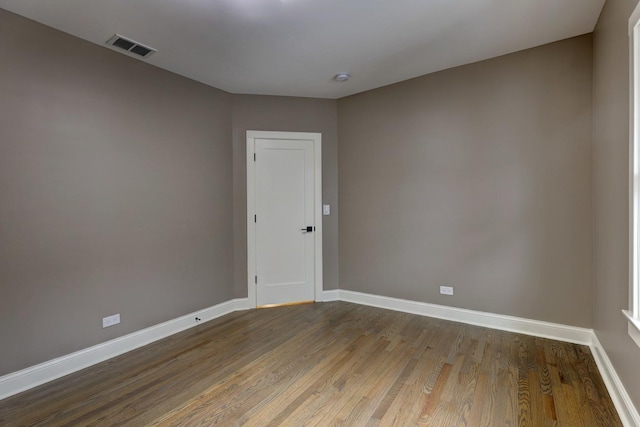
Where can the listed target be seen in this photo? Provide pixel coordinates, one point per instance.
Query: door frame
(252, 135)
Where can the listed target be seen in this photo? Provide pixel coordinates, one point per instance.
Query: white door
(284, 221)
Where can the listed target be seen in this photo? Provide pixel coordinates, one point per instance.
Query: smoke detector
(342, 77)
(131, 46)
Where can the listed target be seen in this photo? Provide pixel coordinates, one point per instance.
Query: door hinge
(255, 218)
(256, 279)
(254, 157)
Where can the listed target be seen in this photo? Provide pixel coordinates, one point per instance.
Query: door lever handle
(308, 229)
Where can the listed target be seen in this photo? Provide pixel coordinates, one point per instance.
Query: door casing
(251, 206)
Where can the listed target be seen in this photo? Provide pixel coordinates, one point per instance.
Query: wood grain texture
(330, 364)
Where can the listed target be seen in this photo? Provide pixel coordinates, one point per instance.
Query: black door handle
(309, 229)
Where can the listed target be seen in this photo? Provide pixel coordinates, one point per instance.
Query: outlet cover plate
(110, 320)
(446, 290)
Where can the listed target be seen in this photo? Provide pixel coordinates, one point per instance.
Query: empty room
(320, 212)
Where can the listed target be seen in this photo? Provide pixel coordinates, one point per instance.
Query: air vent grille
(131, 46)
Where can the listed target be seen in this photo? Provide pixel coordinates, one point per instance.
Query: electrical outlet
(446, 290)
(110, 320)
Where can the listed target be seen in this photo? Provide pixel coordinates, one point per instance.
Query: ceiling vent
(130, 46)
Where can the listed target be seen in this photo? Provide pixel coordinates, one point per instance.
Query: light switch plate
(326, 209)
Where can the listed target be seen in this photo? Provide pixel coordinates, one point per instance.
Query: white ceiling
(295, 47)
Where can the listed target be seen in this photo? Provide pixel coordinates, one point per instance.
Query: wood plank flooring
(329, 364)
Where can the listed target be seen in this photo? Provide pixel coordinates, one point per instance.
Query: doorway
(284, 218)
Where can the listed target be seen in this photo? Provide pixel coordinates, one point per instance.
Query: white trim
(623, 403)
(251, 206)
(633, 327)
(33, 376)
(331, 295)
(319, 263)
(634, 185)
(633, 19)
(251, 230)
(241, 304)
(520, 325)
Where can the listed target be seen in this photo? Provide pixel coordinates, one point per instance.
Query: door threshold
(285, 304)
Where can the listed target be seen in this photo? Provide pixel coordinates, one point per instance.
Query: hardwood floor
(329, 364)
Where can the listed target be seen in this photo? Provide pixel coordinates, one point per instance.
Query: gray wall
(280, 113)
(477, 177)
(611, 191)
(122, 189)
(115, 194)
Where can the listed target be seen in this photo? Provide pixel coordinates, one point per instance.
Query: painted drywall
(115, 194)
(611, 190)
(281, 113)
(477, 177)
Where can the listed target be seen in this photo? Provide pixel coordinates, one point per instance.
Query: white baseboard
(520, 325)
(331, 295)
(25, 379)
(626, 409)
(241, 304)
